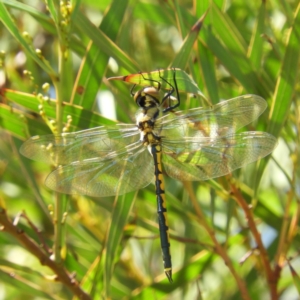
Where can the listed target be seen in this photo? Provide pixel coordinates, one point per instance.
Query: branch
(219, 249)
(270, 275)
(32, 247)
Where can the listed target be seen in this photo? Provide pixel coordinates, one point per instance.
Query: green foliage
(221, 249)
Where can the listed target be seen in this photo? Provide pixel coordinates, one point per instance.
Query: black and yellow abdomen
(156, 151)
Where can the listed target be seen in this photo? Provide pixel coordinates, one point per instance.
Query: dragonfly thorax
(145, 123)
(148, 101)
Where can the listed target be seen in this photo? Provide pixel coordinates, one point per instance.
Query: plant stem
(219, 249)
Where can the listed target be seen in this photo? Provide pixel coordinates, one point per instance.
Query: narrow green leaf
(208, 73)
(225, 41)
(231, 206)
(256, 49)
(44, 20)
(257, 41)
(27, 287)
(104, 43)
(183, 55)
(81, 118)
(180, 18)
(191, 272)
(201, 7)
(226, 30)
(14, 121)
(149, 11)
(286, 8)
(46, 23)
(285, 87)
(296, 278)
(120, 214)
(287, 80)
(237, 65)
(51, 4)
(7, 20)
(95, 60)
(93, 281)
(184, 82)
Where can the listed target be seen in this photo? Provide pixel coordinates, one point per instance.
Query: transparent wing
(219, 120)
(194, 159)
(103, 142)
(101, 178)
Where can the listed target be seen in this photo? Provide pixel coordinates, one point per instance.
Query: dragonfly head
(147, 98)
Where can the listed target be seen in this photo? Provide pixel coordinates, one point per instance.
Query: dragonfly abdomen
(162, 209)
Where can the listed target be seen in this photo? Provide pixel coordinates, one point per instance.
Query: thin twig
(62, 275)
(37, 231)
(219, 249)
(270, 275)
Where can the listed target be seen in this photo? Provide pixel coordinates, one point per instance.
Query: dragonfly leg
(132, 93)
(171, 91)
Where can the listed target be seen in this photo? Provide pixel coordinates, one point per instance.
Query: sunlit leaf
(164, 79)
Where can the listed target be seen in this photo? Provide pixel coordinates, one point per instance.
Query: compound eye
(140, 98)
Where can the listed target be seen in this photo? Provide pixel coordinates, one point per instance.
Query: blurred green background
(239, 47)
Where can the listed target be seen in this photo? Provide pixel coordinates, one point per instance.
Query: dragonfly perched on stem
(192, 145)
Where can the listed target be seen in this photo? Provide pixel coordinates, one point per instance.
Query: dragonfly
(192, 145)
